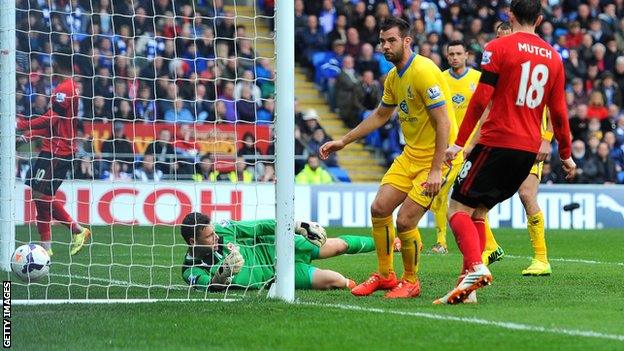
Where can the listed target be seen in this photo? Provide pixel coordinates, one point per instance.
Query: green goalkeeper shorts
(305, 252)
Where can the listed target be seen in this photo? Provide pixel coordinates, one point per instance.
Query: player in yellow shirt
(462, 81)
(528, 196)
(415, 85)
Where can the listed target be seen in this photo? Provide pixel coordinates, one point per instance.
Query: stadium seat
(339, 174)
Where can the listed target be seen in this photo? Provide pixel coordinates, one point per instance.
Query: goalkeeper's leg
(346, 244)
(310, 277)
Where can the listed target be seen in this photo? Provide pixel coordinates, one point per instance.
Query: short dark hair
(399, 23)
(526, 11)
(503, 26)
(457, 43)
(192, 224)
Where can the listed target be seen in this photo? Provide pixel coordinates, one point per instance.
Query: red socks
(467, 238)
(60, 214)
(44, 217)
(480, 225)
(48, 208)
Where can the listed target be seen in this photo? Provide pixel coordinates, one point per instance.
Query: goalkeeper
(241, 254)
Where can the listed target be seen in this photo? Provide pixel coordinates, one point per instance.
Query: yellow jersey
(417, 88)
(462, 87)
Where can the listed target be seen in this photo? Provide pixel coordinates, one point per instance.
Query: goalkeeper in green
(241, 254)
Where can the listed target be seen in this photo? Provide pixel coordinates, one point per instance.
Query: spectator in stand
(204, 169)
(607, 173)
(319, 138)
(179, 113)
(147, 171)
(312, 40)
(327, 16)
(619, 131)
(596, 108)
(247, 80)
(118, 148)
(369, 33)
(145, 106)
(116, 173)
(243, 172)
(353, 45)
(575, 68)
(586, 165)
(123, 111)
(163, 151)
(611, 92)
(203, 108)
(245, 106)
(300, 18)
(301, 151)
(340, 30)
(371, 91)
(249, 146)
(548, 176)
(269, 173)
(266, 115)
(84, 169)
(349, 93)
(186, 147)
(313, 173)
(311, 123)
(227, 98)
(367, 61)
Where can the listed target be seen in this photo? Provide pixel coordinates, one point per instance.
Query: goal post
(285, 149)
(7, 132)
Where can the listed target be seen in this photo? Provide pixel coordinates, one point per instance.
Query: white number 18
(533, 96)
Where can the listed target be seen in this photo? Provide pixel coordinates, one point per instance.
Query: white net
(173, 114)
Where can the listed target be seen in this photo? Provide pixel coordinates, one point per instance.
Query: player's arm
(40, 122)
(253, 229)
(561, 127)
(442, 124)
(374, 121)
(547, 135)
(477, 133)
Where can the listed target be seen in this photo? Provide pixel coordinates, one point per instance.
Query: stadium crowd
(142, 61)
(137, 62)
(338, 44)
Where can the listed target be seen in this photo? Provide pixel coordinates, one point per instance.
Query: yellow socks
(490, 242)
(535, 225)
(383, 234)
(410, 250)
(440, 223)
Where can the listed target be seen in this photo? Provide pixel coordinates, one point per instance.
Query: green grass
(579, 297)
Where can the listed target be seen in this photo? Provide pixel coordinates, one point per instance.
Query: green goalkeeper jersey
(256, 241)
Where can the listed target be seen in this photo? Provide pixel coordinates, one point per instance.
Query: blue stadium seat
(340, 174)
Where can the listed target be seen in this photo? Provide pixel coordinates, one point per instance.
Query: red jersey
(522, 74)
(57, 126)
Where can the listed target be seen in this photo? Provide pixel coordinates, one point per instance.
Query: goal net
(174, 114)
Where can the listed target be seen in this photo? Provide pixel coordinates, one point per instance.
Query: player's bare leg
(387, 200)
(477, 275)
(411, 242)
(535, 225)
(49, 208)
(323, 279)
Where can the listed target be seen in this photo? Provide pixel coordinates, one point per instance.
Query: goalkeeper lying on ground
(242, 254)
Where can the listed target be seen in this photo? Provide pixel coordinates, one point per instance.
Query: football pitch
(579, 307)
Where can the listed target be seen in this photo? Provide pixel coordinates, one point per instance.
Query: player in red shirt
(521, 75)
(56, 129)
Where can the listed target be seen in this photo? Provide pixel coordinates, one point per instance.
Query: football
(30, 262)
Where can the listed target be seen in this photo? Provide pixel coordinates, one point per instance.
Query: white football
(30, 262)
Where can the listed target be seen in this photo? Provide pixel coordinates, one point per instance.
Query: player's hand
(544, 151)
(433, 183)
(569, 167)
(233, 262)
(331, 146)
(451, 152)
(312, 231)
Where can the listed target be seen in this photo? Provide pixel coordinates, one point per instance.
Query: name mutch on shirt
(535, 50)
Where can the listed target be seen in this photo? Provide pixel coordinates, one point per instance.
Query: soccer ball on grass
(30, 262)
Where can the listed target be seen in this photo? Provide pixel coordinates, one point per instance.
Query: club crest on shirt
(59, 97)
(434, 92)
(410, 94)
(403, 107)
(486, 58)
(458, 99)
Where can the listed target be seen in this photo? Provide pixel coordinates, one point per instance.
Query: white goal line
(112, 301)
(472, 320)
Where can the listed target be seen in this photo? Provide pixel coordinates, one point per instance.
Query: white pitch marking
(112, 301)
(571, 260)
(471, 320)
